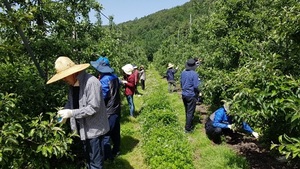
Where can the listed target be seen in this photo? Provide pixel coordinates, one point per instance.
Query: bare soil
(258, 157)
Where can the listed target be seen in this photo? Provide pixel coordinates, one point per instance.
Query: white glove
(229, 126)
(255, 134)
(65, 113)
(124, 81)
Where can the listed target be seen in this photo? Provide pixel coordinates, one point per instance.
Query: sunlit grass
(205, 154)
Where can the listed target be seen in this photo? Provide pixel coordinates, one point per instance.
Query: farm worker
(129, 83)
(142, 76)
(136, 74)
(189, 81)
(111, 94)
(220, 122)
(85, 108)
(170, 77)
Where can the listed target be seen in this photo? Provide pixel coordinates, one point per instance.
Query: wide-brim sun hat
(65, 67)
(102, 65)
(191, 64)
(128, 68)
(170, 65)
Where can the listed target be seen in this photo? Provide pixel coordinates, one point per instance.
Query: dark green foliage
(250, 53)
(27, 132)
(249, 56)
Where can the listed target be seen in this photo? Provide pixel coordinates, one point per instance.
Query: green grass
(206, 155)
(131, 152)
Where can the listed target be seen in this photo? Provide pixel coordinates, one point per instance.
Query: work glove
(124, 81)
(232, 127)
(64, 115)
(255, 134)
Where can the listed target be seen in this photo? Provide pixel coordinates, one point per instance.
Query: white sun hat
(128, 68)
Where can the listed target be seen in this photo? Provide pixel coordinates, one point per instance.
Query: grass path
(205, 154)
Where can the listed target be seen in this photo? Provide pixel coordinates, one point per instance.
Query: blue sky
(125, 10)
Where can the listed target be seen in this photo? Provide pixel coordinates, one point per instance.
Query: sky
(126, 10)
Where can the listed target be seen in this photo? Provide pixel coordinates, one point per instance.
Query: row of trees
(33, 34)
(250, 52)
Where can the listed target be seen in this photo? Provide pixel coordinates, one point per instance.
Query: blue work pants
(113, 136)
(131, 104)
(190, 107)
(93, 149)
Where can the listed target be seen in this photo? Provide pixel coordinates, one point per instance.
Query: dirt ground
(247, 146)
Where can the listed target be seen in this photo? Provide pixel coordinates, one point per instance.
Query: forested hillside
(249, 52)
(150, 31)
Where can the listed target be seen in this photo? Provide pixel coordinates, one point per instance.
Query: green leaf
(31, 133)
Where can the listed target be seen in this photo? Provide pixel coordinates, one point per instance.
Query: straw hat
(128, 68)
(64, 67)
(170, 65)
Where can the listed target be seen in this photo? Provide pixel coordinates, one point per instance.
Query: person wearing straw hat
(111, 94)
(189, 82)
(170, 77)
(85, 108)
(129, 83)
(220, 122)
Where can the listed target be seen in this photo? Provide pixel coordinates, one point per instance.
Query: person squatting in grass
(170, 77)
(189, 82)
(220, 122)
(111, 95)
(85, 108)
(129, 83)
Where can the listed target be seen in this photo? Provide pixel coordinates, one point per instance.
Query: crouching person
(220, 123)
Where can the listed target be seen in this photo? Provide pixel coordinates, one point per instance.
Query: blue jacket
(189, 82)
(105, 82)
(222, 120)
(111, 93)
(170, 74)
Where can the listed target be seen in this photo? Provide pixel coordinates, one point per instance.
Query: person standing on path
(85, 108)
(111, 95)
(129, 83)
(189, 82)
(170, 77)
(136, 74)
(142, 76)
